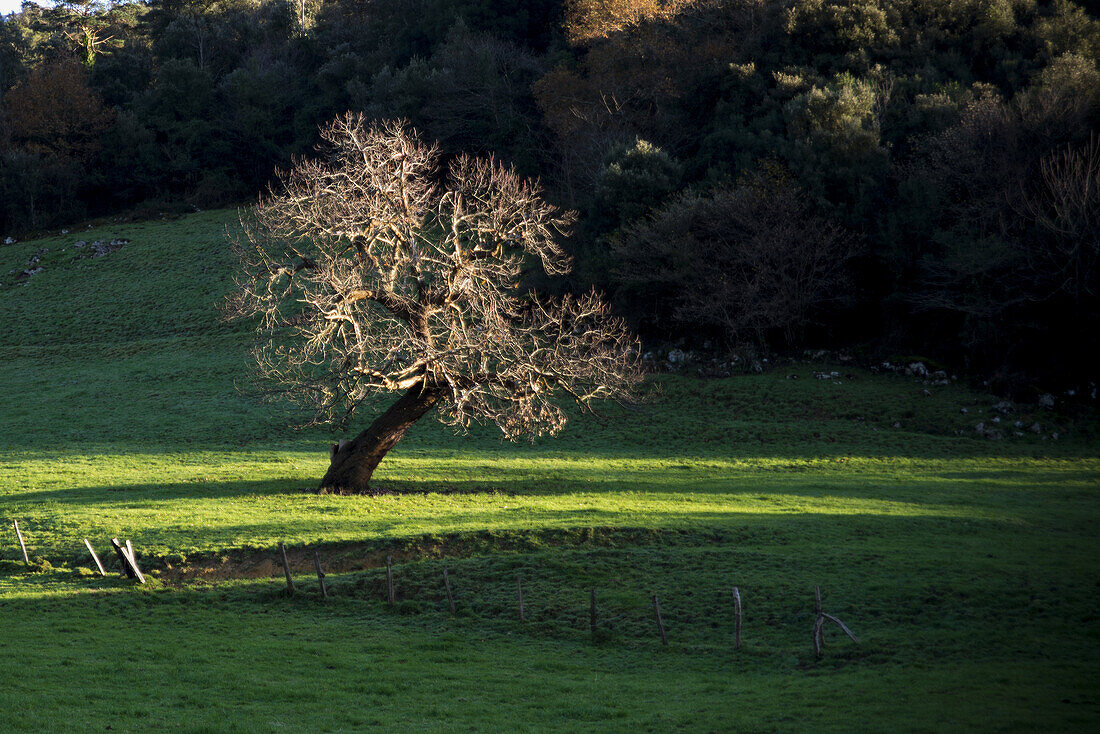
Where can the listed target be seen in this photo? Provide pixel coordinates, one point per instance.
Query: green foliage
(636, 179)
(848, 96)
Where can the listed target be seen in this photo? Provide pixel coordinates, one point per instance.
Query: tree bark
(354, 463)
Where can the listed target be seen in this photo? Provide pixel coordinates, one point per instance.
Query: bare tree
(1065, 204)
(373, 271)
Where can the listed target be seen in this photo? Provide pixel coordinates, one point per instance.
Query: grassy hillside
(965, 565)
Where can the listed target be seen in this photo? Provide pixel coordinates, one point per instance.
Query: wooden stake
(389, 580)
(519, 595)
(840, 624)
(819, 623)
(95, 558)
(447, 584)
(660, 622)
(133, 560)
(592, 613)
(737, 619)
(121, 553)
(320, 574)
(129, 566)
(286, 570)
(22, 545)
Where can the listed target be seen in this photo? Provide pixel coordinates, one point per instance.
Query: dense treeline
(918, 175)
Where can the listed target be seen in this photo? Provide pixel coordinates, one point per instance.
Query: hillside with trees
(891, 176)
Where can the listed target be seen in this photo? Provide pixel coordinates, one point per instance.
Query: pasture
(966, 566)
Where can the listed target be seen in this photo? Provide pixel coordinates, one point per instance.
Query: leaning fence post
(22, 545)
(320, 573)
(286, 570)
(95, 558)
(737, 619)
(660, 622)
(447, 584)
(129, 564)
(133, 560)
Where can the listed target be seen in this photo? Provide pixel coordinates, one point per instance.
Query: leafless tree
(371, 270)
(1066, 206)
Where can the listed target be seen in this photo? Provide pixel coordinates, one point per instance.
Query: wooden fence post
(819, 632)
(819, 624)
(660, 622)
(390, 595)
(19, 533)
(519, 595)
(129, 564)
(447, 584)
(592, 613)
(286, 569)
(737, 618)
(95, 558)
(320, 574)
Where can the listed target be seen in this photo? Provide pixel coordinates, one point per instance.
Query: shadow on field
(769, 485)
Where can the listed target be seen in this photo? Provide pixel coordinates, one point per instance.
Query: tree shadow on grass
(766, 482)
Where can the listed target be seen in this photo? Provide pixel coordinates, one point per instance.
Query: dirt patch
(346, 557)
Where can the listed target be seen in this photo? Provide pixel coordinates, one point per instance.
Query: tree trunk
(354, 462)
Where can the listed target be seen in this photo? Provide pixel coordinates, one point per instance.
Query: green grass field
(966, 566)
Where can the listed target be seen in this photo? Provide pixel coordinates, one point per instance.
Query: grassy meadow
(966, 566)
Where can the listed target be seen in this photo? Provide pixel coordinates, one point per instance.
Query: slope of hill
(965, 565)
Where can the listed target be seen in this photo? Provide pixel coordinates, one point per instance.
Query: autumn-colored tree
(54, 111)
(591, 20)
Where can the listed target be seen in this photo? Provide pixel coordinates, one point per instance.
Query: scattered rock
(101, 248)
(1036, 428)
(1005, 407)
(1046, 400)
(9, 240)
(80, 243)
(676, 356)
(792, 377)
(917, 369)
(990, 433)
(897, 424)
(927, 393)
(964, 410)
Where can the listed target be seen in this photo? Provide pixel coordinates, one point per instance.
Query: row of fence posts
(820, 617)
(130, 569)
(125, 552)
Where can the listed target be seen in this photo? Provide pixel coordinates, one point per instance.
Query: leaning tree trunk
(353, 462)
